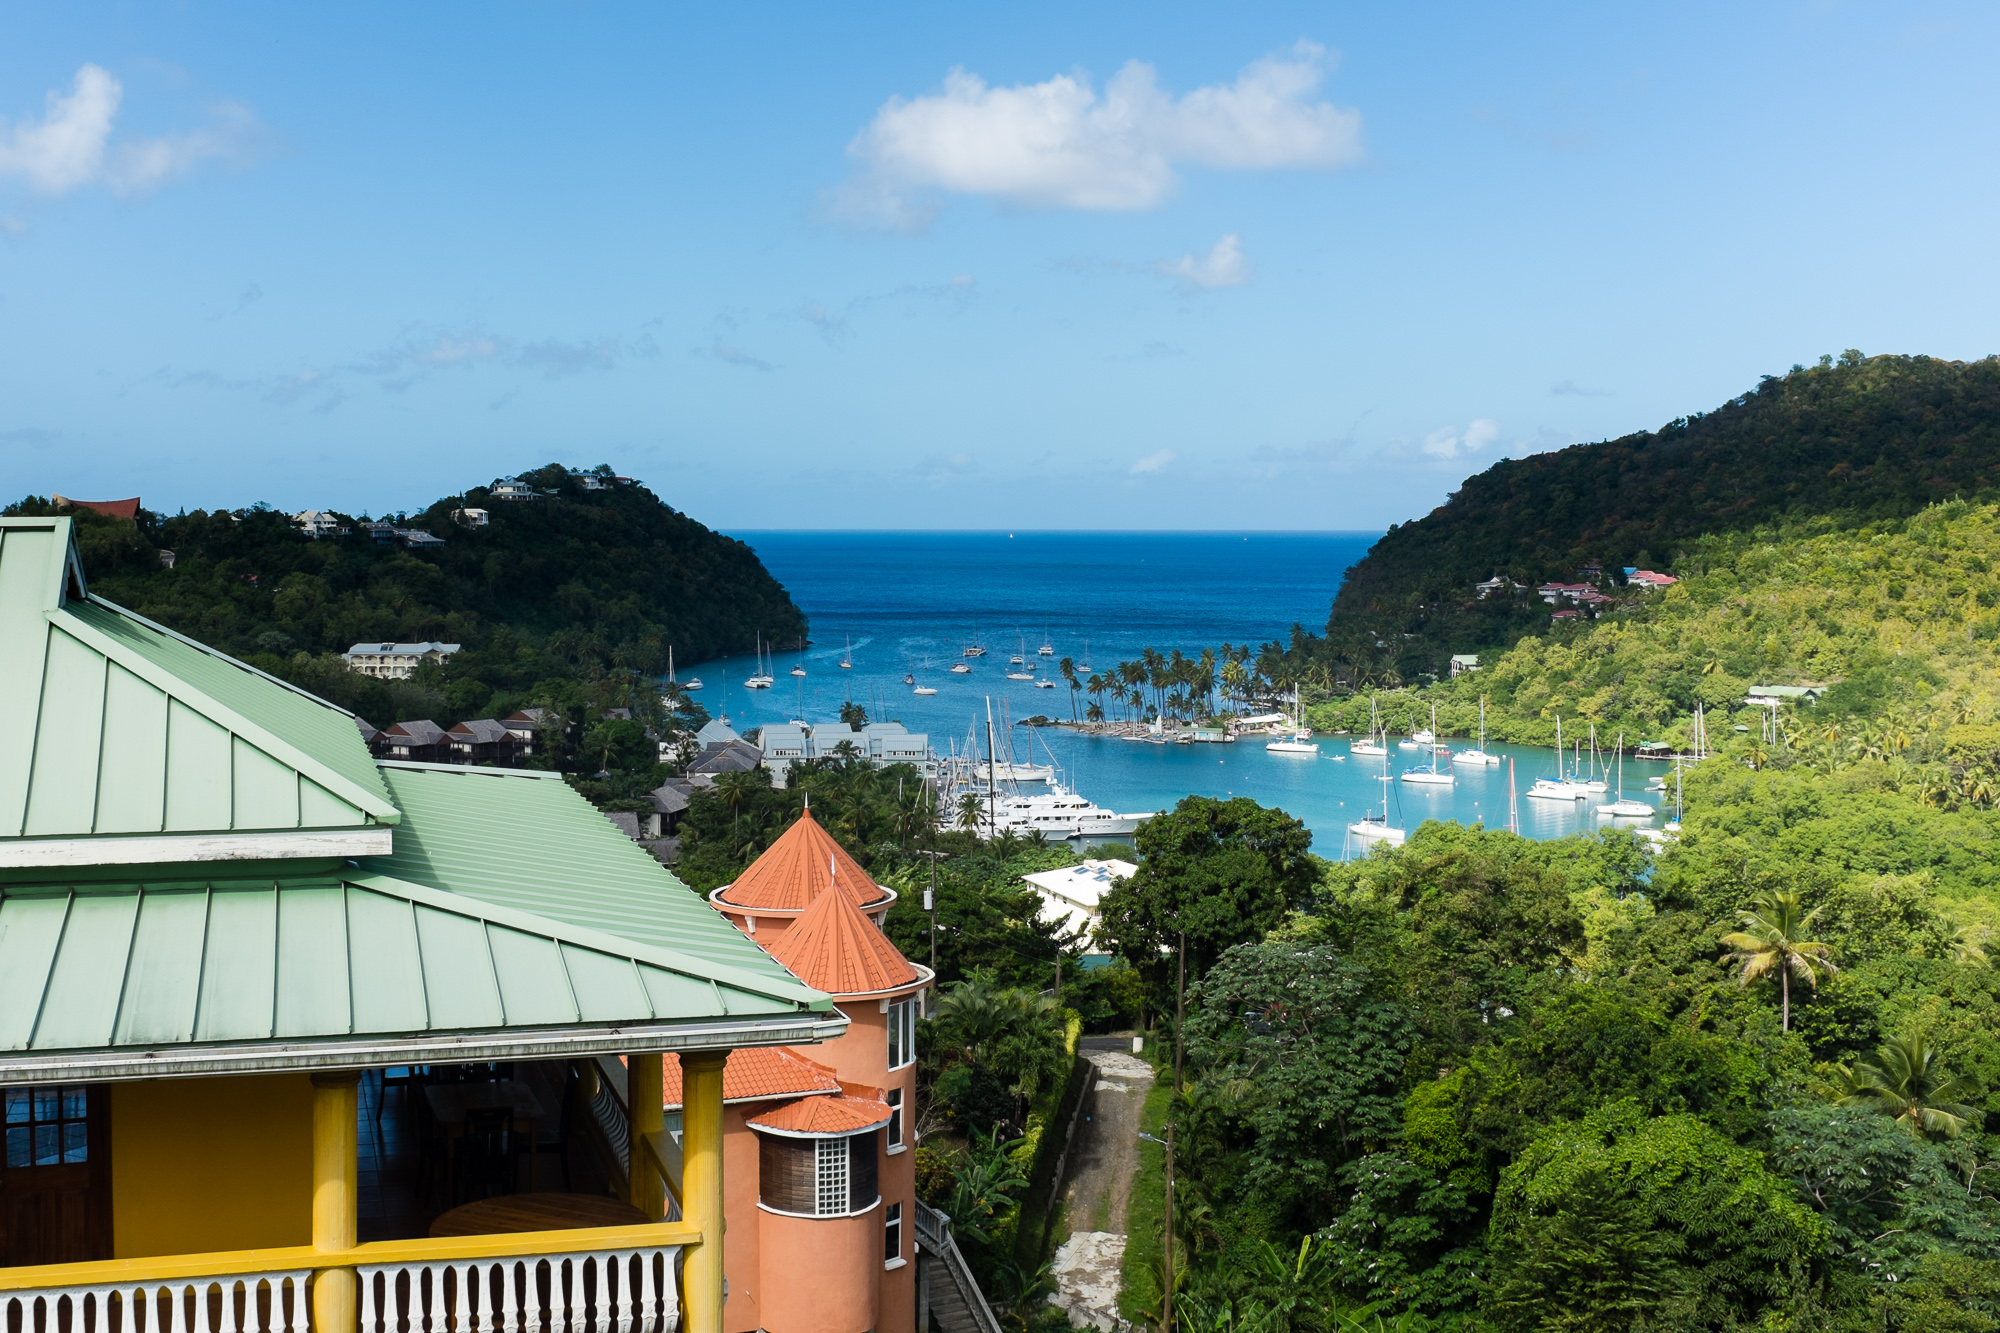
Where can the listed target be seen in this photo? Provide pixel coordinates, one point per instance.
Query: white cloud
(1451, 442)
(1223, 266)
(1154, 462)
(1058, 144)
(71, 145)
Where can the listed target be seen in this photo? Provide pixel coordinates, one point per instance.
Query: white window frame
(902, 1032)
(892, 1225)
(893, 1139)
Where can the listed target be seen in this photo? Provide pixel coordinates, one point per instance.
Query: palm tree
(735, 791)
(1901, 1082)
(969, 811)
(1773, 939)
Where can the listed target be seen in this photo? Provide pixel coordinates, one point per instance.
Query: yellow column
(701, 1185)
(336, 1194)
(644, 1096)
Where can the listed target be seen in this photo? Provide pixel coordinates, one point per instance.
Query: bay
(910, 602)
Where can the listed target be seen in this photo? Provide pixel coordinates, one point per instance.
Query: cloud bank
(71, 145)
(1058, 144)
(1451, 442)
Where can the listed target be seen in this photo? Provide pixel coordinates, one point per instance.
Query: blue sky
(1299, 266)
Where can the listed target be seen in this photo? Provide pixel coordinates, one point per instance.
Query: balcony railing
(591, 1280)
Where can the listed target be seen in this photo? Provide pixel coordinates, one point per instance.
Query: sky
(1151, 266)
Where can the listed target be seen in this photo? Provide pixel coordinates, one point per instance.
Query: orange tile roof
(834, 948)
(823, 1115)
(796, 868)
(756, 1073)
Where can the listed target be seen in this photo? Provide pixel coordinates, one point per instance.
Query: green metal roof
(114, 725)
(211, 975)
(527, 840)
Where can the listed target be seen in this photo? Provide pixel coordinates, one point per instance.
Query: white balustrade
(594, 1291)
(245, 1303)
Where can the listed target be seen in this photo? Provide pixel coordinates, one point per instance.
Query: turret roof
(836, 949)
(797, 868)
(824, 1115)
(755, 1074)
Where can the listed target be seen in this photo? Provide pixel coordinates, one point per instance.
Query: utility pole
(1180, 993)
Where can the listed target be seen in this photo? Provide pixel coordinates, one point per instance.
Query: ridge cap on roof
(473, 770)
(214, 652)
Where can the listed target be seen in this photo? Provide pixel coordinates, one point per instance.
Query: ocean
(910, 602)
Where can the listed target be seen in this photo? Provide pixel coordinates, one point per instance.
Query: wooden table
(450, 1101)
(536, 1212)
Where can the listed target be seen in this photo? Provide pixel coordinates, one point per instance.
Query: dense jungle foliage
(576, 595)
(1861, 441)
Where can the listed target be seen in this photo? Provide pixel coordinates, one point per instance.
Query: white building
(317, 523)
(513, 490)
(395, 661)
(470, 518)
(880, 743)
(1464, 662)
(1072, 895)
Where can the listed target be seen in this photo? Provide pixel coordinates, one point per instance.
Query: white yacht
(1296, 740)
(691, 684)
(1060, 813)
(925, 690)
(1478, 754)
(960, 669)
(1374, 746)
(1623, 808)
(1557, 788)
(1430, 775)
(1372, 828)
(760, 679)
(1047, 649)
(1045, 684)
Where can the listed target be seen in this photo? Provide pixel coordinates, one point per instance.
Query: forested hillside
(573, 592)
(1864, 440)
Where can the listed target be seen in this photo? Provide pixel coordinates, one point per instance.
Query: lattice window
(833, 1155)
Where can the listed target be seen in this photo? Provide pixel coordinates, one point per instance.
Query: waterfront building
(880, 743)
(225, 931)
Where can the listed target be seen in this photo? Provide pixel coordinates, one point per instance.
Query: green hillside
(575, 594)
(1865, 440)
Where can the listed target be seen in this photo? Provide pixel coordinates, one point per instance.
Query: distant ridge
(1837, 445)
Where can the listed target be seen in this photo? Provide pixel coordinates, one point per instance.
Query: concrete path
(1086, 1266)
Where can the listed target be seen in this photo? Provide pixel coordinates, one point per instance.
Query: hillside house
(1073, 894)
(1464, 662)
(471, 518)
(484, 741)
(1552, 590)
(250, 971)
(513, 491)
(1499, 583)
(1646, 580)
(395, 661)
(421, 741)
(316, 523)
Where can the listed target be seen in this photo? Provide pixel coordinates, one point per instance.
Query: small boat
(691, 684)
(847, 658)
(1622, 808)
(1045, 684)
(1373, 746)
(759, 679)
(798, 671)
(1592, 783)
(1557, 788)
(1083, 668)
(1372, 827)
(1020, 675)
(1478, 755)
(1047, 649)
(960, 669)
(1022, 656)
(975, 648)
(909, 678)
(1430, 775)
(925, 689)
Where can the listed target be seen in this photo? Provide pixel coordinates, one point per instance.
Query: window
(902, 1032)
(47, 1125)
(892, 1233)
(895, 1100)
(833, 1163)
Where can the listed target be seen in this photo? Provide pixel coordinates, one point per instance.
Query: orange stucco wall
(819, 1273)
(742, 1246)
(203, 1164)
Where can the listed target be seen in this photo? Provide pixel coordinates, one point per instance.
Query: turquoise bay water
(910, 601)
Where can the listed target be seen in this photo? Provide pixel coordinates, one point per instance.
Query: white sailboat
(1371, 828)
(1373, 746)
(759, 679)
(1622, 808)
(1593, 783)
(1430, 776)
(1083, 668)
(847, 658)
(1047, 649)
(1478, 755)
(1557, 788)
(691, 684)
(1300, 739)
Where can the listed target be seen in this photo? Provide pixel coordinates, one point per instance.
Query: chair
(557, 1140)
(484, 1165)
(406, 1077)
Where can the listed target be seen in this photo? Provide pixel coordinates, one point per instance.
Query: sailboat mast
(992, 809)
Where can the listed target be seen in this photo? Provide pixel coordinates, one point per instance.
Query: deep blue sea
(911, 602)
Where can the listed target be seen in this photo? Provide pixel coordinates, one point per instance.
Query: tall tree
(1773, 939)
(1903, 1081)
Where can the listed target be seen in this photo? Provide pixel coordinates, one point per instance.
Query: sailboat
(975, 648)
(691, 684)
(1021, 655)
(1429, 776)
(1478, 755)
(1373, 745)
(759, 678)
(1622, 808)
(1300, 741)
(1593, 783)
(1018, 661)
(1376, 828)
(847, 658)
(799, 668)
(1557, 788)
(1083, 668)
(1047, 649)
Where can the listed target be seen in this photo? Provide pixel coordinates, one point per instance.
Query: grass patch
(1145, 1215)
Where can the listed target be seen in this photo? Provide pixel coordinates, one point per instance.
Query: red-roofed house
(1646, 578)
(820, 1184)
(108, 508)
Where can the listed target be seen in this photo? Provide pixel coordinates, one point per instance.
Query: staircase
(956, 1301)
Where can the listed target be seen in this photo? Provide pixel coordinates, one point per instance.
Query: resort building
(395, 661)
(1072, 894)
(1646, 579)
(821, 1205)
(880, 743)
(317, 523)
(244, 969)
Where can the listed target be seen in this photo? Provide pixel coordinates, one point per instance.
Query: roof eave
(347, 1052)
